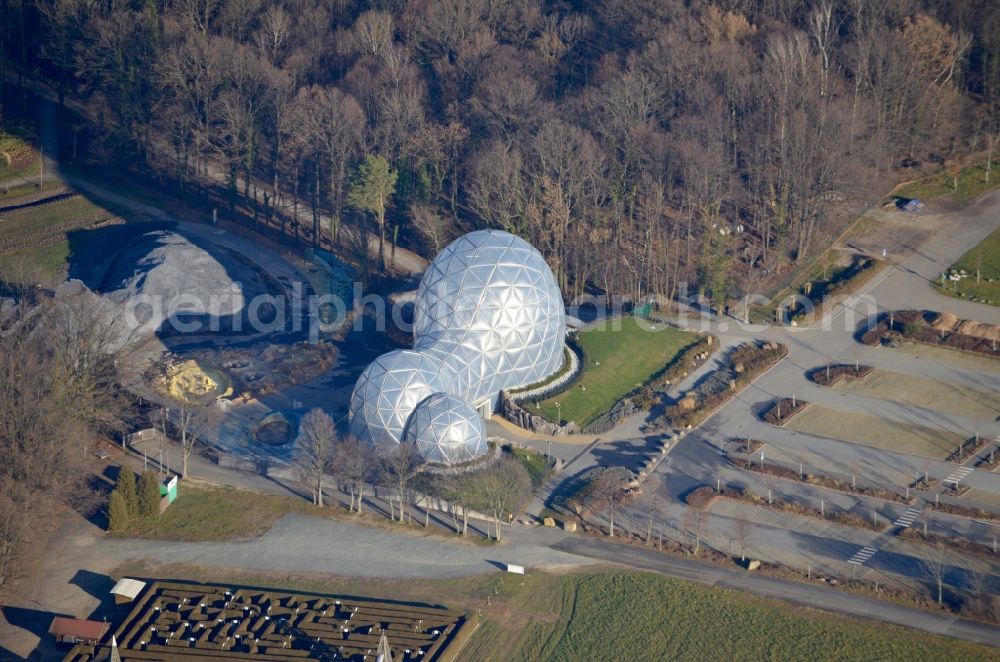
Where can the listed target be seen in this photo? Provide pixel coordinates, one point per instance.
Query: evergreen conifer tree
(149, 495)
(126, 487)
(118, 517)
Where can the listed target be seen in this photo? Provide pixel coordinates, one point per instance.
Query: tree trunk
(319, 490)
(381, 242)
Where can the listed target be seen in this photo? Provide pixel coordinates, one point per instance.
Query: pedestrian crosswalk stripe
(862, 555)
(906, 519)
(957, 475)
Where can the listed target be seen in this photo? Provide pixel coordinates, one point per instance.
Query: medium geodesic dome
(446, 430)
(489, 308)
(387, 392)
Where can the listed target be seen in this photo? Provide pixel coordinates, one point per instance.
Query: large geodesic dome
(489, 308)
(488, 317)
(446, 430)
(388, 391)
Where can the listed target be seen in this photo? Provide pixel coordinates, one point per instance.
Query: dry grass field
(924, 392)
(877, 432)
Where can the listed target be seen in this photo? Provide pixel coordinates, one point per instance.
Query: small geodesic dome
(387, 392)
(446, 430)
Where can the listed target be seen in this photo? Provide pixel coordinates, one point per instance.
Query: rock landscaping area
(744, 364)
(939, 329)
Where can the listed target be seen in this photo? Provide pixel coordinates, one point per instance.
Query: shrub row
(831, 375)
(574, 358)
(988, 462)
(819, 480)
(969, 447)
(703, 497)
(782, 410)
(964, 511)
(689, 360)
(915, 534)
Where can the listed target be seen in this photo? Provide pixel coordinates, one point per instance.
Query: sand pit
(188, 381)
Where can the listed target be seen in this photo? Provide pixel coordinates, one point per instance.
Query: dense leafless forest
(637, 143)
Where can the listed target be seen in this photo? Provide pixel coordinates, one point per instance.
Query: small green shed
(168, 488)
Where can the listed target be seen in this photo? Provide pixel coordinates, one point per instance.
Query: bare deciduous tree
(316, 450)
(354, 463)
(501, 486)
(606, 492)
(936, 567)
(193, 421)
(398, 466)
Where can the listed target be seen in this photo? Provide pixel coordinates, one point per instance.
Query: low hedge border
(969, 447)
(831, 375)
(705, 495)
(783, 410)
(913, 534)
(819, 480)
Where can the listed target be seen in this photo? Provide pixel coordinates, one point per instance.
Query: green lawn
(640, 616)
(623, 355)
(33, 240)
(606, 614)
(17, 159)
(971, 183)
(208, 513)
(984, 258)
(203, 513)
(536, 464)
(44, 265)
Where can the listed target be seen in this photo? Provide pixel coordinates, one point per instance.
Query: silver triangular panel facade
(488, 317)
